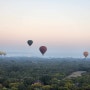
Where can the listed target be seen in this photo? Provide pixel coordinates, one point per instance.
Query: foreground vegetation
(24, 73)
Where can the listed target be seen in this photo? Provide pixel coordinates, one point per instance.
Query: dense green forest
(26, 73)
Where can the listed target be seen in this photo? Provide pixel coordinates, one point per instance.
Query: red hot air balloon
(85, 53)
(43, 49)
(30, 42)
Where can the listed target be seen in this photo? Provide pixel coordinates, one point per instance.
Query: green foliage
(45, 79)
(43, 74)
(22, 87)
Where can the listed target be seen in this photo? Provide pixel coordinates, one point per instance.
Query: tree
(46, 87)
(45, 79)
(36, 86)
(22, 87)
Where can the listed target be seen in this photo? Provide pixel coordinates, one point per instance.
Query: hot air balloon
(30, 42)
(43, 49)
(2, 53)
(85, 54)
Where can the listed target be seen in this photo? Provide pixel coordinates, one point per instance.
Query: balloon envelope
(2, 53)
(43, 49)
(85, 54)
(30, 42)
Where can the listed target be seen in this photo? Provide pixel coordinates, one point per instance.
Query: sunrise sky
(61, 25)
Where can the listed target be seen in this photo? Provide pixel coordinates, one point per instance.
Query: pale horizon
(62, 26)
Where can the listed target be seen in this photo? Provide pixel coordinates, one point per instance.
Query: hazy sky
(62, 25)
